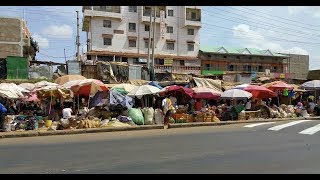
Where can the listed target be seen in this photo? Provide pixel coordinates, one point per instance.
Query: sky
(293, 29)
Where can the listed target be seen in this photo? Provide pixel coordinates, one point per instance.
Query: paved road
(240, 148)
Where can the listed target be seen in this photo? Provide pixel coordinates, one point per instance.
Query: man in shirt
(248, 105)
(3, 112)
(66, 112)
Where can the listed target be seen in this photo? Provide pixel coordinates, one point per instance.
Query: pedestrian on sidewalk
(3, 112)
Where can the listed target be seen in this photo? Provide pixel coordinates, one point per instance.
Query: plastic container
(48, 123)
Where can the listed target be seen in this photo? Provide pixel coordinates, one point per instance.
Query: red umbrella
(260, 91)
(88, 87)
(278, 85)
(175, 88)
(205, 93)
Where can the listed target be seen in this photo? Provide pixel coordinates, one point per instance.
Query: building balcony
(178, 69)
(193, 22)
(98, 13)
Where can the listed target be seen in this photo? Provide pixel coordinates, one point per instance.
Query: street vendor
(167, 109)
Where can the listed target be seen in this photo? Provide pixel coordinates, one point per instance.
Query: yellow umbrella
(63, 79)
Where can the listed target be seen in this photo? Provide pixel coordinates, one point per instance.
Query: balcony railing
(178, 69)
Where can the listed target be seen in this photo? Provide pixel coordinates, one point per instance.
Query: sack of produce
(158, 116)
(148, 115)
(136, 115)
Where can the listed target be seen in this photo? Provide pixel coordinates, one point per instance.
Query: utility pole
(65, 58)
(78, 38)
(153, 44)
(149, 42)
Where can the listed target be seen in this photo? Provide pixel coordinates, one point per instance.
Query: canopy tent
(235, 94)
(206, 93)
(64, 79)
(27, 86)
(43, 84)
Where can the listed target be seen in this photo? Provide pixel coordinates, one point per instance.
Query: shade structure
(205, 93)
(88, 87)
(11, 90)
(153, 83)
(235, 94)
(32, 97)
(69, 84)
(53, 91)
(259, 91)
(311, 85)
(174, 89)
(143, 90)
(242, 86)
(124, 88)
(27, 86)
(44, 83)
(63, 79)
(278, 85)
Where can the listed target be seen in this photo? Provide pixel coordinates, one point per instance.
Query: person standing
(248, 105)
(66, 112)
(3, 112)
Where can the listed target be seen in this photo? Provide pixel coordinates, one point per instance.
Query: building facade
(121, 33)
(298, 66)
(222, 61)
(15, 39)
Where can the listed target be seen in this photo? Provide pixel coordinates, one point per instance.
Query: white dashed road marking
(311, 130)
(282, 126)
(258, 124)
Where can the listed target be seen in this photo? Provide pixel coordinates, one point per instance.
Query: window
(132, 43)
(230, 68)
(209, 56)
(260, 69)
(247, 68)
(190, 47)
(124, 59)
(161, 61)
(181, 62)
(225, 57)
(250, 57)
(132, 27)
(107, 23)
(107, 41)
(193, 16)
(170, 12)
(190, 31)
(207, 66)
(146, 44)
(238, 57)
(170, 46)
(169, 29)
(146, 27)
(132, 8)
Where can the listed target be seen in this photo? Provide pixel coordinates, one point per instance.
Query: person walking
(3, 112)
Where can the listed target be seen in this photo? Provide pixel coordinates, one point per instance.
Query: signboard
(283, 75)
(142, 60)
(212, 72)
(168, 61)
(162, 24)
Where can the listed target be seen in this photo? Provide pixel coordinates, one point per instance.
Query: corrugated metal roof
(243, 51)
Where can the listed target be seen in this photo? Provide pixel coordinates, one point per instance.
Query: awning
(132, 37)
(170, 40)
(107, 35)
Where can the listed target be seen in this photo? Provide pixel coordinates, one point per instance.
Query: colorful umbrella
(64, 79)
(88, 87)
(311, 85)
(32, 98)
(140, 91)
(235, 94)
(205, 93)
(124, 88)
(278, 85)
(174, 88)
(259, 91)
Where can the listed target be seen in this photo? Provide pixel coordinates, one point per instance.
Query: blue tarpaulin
(152, 83)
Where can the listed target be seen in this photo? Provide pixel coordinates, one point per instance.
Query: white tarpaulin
(204, 82)
(11, 90)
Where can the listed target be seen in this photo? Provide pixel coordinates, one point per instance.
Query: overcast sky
(278, 28)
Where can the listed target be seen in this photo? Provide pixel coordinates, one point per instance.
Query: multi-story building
(121, 33)
(15, 39)
(224, 60)
(298, 66)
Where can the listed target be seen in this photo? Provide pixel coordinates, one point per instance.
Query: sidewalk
(14, 134)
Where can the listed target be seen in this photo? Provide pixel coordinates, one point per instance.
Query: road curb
(199, 124)
(76, 131)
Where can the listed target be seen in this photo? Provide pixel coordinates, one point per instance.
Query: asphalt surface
(216, 149)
